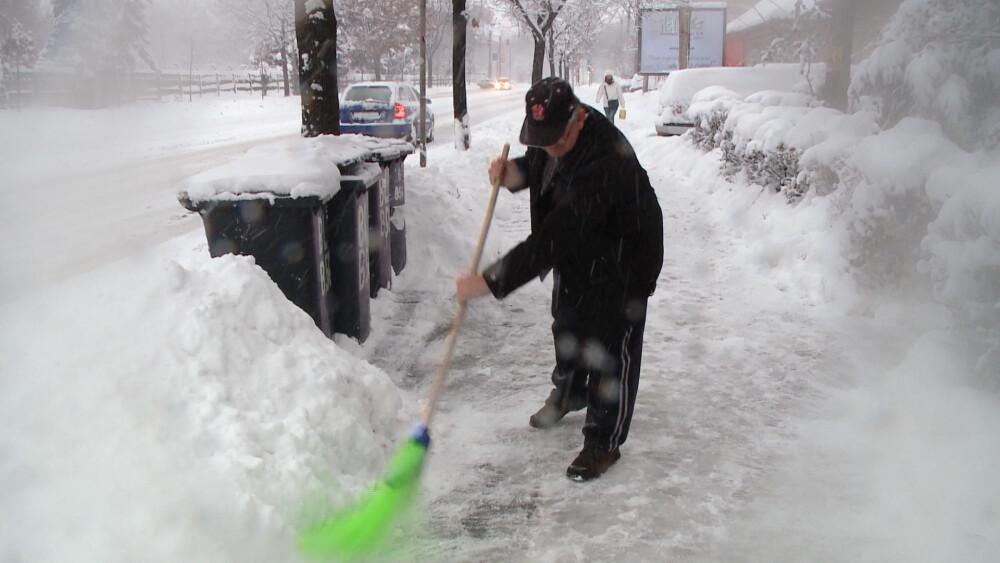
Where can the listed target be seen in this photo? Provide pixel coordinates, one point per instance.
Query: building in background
(769, 25)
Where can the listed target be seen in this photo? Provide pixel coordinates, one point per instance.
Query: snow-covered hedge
(937, 59)
(914, 180)
(919, 208)
(763, 155)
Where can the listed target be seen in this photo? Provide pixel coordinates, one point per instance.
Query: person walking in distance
(610, 92)
(597, 226)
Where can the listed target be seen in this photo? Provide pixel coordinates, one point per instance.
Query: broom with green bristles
(360, 529)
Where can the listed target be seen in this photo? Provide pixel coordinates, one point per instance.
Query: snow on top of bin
(299, 167)
(387, 149)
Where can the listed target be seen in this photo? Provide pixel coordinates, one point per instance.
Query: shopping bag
(621, 113)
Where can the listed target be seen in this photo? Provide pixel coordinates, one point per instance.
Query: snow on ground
(170, 407)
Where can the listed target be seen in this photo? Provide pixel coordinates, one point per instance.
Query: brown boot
(591, 463)
(555, 409)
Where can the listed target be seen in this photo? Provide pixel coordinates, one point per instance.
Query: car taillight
(678, 110)
(400, 112)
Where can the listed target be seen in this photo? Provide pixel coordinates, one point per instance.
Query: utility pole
(423, 84)
(684, 14)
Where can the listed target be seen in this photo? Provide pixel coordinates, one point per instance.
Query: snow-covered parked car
(384, 109)
(633, 84)
(680, 88)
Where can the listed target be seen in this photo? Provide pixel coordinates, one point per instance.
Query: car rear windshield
(364, 93)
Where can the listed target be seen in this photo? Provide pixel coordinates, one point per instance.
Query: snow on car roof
(681, 85)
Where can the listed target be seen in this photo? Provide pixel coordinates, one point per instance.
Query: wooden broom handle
(444, 364)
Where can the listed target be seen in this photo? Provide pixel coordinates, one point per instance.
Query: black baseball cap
(549, 105)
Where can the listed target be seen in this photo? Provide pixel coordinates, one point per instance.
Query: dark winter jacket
(597, 223)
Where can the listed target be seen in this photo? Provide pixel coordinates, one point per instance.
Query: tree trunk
(284, 65)
(538, 59)
(838, 66)
(316, 34)
(463, 138)
(552, 55)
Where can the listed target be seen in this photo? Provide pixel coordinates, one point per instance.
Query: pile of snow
(174, 407)
(296, 167)
(178, 369)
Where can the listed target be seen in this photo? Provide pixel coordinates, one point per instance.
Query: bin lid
(361, 176)
(297, 167)
(384, 150)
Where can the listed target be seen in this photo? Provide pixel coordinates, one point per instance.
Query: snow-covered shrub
(802, 38)
(775, 169)
(962, 250)
(790, 146)
(937, 59)
(910, 174)
(917, 208)
(754, 147)
(708, 130)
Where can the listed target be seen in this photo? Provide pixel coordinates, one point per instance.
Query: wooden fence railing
(66, 88)
(35, 87)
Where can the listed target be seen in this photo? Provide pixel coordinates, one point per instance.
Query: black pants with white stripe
(599, 357)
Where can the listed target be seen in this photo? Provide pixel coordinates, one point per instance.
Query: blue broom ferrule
(421, 435)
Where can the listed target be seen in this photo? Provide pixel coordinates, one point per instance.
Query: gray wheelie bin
(390, 156)
(301, 209)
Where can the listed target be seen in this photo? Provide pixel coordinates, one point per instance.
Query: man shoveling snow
(596, 224)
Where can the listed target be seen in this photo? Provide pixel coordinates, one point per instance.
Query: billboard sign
(708, 36)
(659, 41)
(660, 37)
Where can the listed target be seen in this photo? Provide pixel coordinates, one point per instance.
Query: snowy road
(88, 188)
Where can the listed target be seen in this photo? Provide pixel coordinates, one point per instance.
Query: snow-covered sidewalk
(727, 361)
(772, 422)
